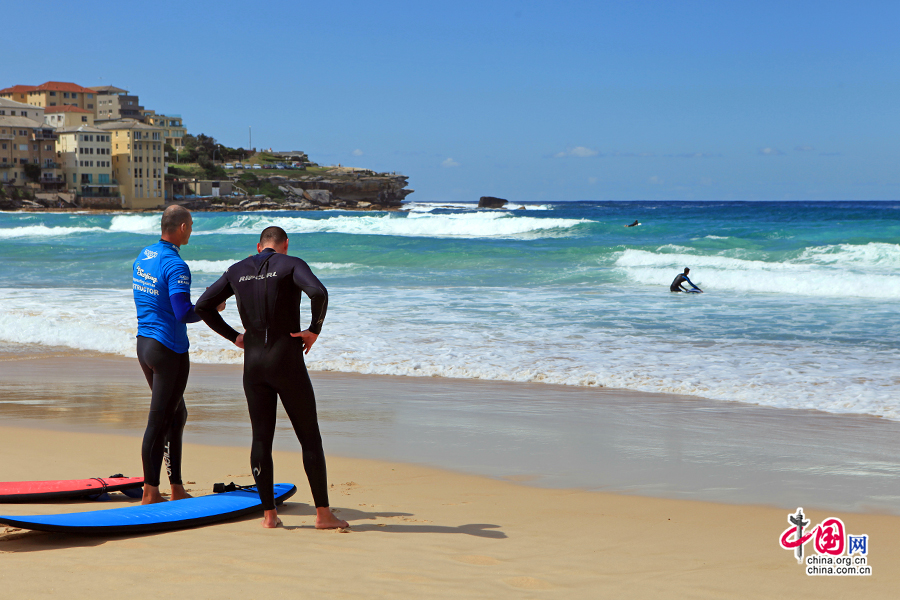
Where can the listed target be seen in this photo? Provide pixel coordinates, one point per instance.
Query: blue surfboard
(176, 514)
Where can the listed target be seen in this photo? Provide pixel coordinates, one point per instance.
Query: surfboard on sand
(176, 514)
(39, 491)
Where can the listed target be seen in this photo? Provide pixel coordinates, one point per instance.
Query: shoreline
(550, 436)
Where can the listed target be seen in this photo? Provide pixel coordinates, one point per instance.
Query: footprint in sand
(476, 559)
(527, 583)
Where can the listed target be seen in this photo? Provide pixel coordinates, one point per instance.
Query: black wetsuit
(679, 281)
(167, 374)
(267, 289)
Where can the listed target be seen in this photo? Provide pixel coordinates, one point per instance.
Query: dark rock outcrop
(491, 202)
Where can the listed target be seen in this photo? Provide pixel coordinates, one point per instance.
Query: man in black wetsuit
(267, 289)
(680, 280)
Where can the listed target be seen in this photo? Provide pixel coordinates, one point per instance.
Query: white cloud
(770, 152)
(449, 163)
(655, 180)
(592, 180)
(577, 151)
(804, 148)
(357, 152)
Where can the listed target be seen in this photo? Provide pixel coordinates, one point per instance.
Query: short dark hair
(272, 235)
(173, 218)
(686, 269)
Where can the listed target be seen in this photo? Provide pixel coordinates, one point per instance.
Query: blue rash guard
(161, 282)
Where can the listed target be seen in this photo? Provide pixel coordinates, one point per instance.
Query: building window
(65, 94)
(83, 119)
(90, 106)
(52, 93)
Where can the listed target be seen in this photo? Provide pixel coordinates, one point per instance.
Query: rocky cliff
(362, 190)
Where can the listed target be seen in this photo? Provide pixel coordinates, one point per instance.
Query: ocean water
(800, 309)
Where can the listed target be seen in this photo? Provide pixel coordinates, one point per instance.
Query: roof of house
(6, 102)
(17, 89)
(10, 121)
(126, 124)
(79, 129)
(62, 86)
(67, 108)
(111, 89)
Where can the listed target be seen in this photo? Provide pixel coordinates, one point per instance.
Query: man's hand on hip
(309, 338)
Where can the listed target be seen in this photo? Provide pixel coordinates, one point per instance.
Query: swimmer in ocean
(635, 224)
(680, 280)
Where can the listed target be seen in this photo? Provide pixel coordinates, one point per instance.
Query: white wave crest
(219, 266)
(209, 266)
(466, 225)
(135, 224)
(425, 207)
(44, 231)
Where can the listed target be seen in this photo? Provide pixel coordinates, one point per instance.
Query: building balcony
(94, 191)
(50, 165)
(49, 135)
(112, 183)
(7, 136)
(52, 180)
(5, 165)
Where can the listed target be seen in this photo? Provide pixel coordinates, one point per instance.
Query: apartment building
(13, 108)
(173, 127)
(68, 116)
(115, 103)
(85, 154)
(25, 141)
(138, 162)
(52, 93)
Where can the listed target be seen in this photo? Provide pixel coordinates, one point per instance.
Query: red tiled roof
(62, 86)
(18, 89)
(66, 108)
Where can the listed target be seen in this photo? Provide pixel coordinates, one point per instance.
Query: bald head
(176, 225)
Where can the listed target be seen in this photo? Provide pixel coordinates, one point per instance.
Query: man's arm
(215, 295)
(692, 283)
(318, 295)
(181, 306)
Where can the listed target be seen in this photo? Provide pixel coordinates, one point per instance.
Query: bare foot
(152, 495)
(178, 492)
(325, 519)
(271, 520)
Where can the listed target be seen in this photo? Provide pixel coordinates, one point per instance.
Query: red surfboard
(36, 491)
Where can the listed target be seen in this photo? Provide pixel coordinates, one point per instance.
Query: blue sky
(531, 101)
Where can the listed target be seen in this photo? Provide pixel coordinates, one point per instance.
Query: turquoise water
(800, 306)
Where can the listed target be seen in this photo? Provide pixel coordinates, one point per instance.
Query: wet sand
(551, 436)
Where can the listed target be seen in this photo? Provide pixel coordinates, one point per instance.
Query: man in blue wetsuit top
(161, 282)
(680, 281)
(268, 288)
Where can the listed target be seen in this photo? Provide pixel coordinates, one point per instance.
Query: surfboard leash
(220, 488)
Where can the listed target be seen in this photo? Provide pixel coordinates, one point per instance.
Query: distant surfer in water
(161, 283)
(680, 280)
(268, 289)
(635, 224)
